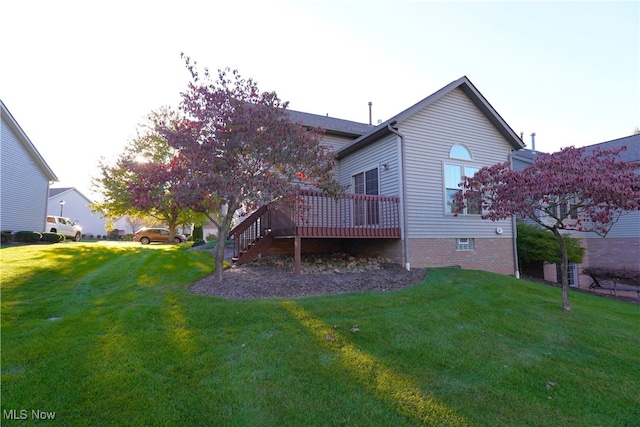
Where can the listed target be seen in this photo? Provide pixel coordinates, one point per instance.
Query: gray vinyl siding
(374, 156)
(627, 226)
(24, 187)
(335, 142)
(519, 165)
(429, 135)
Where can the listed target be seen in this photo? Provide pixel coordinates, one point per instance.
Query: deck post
(297, 257)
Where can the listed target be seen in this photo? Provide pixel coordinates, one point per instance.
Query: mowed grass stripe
(109, 334)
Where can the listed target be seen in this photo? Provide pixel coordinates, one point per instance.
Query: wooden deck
(319, 216)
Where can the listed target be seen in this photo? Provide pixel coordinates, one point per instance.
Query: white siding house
(403, 175)
(24, 178)
(76, 208)
(453, 130)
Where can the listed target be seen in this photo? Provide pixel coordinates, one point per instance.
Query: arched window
(460, 152)
(454, 173)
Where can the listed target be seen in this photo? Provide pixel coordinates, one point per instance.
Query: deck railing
(317, 214)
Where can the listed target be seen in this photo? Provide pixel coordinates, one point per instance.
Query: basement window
(464, 244)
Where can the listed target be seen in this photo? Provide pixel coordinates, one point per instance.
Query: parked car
(62, 225)
(148, 235)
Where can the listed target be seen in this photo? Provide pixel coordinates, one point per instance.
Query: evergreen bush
(6, 236)
(198, 233)
(27, 236)
(52, 237)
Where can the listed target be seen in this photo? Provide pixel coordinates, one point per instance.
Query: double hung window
(454, 171)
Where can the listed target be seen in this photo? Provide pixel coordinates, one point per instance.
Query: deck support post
(297, 254)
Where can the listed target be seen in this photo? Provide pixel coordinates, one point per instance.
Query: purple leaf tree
(238, 149)
(573, 189)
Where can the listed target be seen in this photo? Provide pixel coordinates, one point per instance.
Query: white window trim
(364, 171)
(465, 244)
(470, 159)
(444, 187)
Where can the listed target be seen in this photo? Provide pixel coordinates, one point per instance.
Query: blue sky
(79, 76)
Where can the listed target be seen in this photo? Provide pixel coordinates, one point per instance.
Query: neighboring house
(24, 178)
(621, 246)
(127, 224)
(71, 203)
(402, 177)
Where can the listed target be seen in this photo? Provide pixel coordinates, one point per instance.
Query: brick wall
(495, 255)
(614, 252)
(609, 252)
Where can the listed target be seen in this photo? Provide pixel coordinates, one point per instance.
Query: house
(128, 224)
(71, 203)
(402, 177)
(24, 178)
(620, 247)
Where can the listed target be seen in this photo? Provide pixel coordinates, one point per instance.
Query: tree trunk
(564, 270)
(223, 231)
(172, 224)
(218, 254)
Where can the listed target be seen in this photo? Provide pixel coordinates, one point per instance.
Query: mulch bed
(327, 274)
(273, 277)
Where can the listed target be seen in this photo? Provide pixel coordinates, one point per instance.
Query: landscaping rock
(273, 277)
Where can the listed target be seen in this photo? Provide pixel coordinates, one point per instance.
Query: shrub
(537, 244)
(27, 236)
(128, 237)
(6, 236)
(198, 242)
(197, 233)
(52, 237)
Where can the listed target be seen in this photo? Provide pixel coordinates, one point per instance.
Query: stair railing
(252, 229)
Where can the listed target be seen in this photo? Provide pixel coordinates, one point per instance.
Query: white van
(62, 225)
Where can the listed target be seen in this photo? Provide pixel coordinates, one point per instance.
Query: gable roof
(26, 142)
(331, 125)
(468, 88)
(63, 190)
(631, 154)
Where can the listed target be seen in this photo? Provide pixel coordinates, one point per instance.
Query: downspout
(514, 229)
(407, 264)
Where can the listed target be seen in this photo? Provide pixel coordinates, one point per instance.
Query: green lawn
(108, 334)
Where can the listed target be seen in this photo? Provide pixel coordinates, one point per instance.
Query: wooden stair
(252, 236)
(254, 249)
